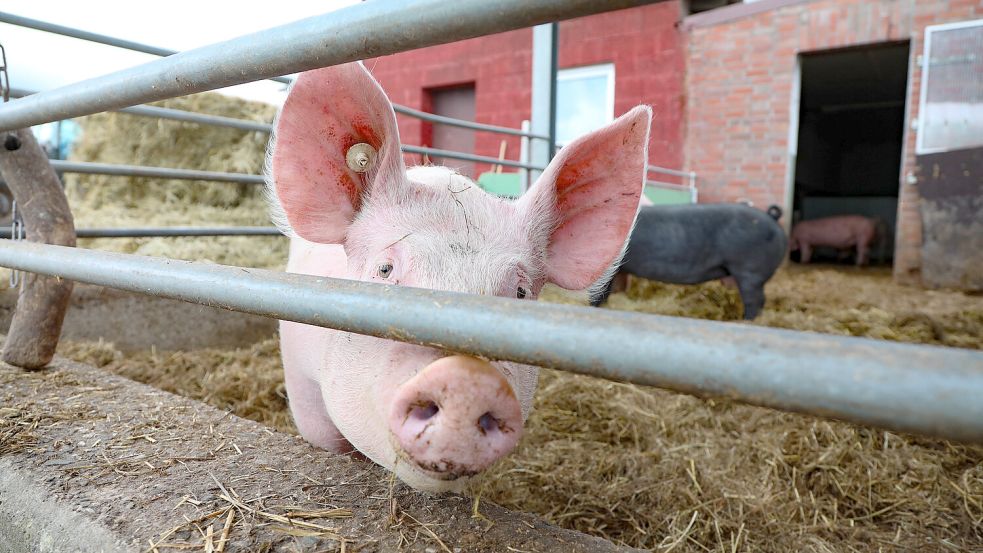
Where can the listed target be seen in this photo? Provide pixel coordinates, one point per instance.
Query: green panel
(664, 196)
(501, 184)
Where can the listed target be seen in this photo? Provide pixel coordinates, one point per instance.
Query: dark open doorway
(851, 132)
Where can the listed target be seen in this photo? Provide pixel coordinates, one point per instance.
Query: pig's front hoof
(455, 418)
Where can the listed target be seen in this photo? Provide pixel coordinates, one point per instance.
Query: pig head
(339, 188)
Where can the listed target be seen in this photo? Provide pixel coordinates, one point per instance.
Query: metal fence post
(544, 55)
(43, 301)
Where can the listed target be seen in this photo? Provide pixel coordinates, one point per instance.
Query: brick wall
(643, 44)
(739, 78)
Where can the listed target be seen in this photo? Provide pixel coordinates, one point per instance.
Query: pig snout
(456, 417)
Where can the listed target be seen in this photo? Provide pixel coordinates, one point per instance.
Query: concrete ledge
(31, 521)
(93, 462)
(137, 322)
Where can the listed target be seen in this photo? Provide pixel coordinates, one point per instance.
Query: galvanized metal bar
(669, 185)
(465, 124)
(80, 34)
(434, 152)
(138, 47)
(924, 389)
(524, 180)
(673, 172)
(200, 118)
(543, 102)
(364, 30)
(177, 115)
(62, 30)
(154, 232)
(90, 168)
(166, 113)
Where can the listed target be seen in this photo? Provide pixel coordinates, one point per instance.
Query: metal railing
(689, 176)
(90, 168)
(163, 52)
(346, 35)
(176, 115)
(922, 389)
(165, 232)
(180, 115)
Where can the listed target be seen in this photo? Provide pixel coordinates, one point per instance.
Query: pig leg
(752, 290)
(310, 416)
(620, 282)
(805, 253)
(863, 253)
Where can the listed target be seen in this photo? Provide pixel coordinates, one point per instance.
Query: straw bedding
(641, 467)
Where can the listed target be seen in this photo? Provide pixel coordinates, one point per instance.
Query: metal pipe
(89, 168)
(166, 113)
(673, 172)
(434, 152)
(177, 115)
(200, 118)
(153, 232)
(62, 30)
(465, 124)
(524, 158)
(541, 107)
(668, 185)
(84, 35)
(924, 389)
(138, 47)
(363, 30)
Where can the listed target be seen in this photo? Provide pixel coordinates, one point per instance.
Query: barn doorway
(850, 138)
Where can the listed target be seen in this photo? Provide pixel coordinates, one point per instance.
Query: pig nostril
(424, 410)
(487, 423)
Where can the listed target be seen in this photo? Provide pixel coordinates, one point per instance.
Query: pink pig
(842, 232)
(433, 417)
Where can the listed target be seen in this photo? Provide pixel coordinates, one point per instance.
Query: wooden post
(43, 301)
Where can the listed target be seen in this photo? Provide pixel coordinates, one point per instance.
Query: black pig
(689, 244)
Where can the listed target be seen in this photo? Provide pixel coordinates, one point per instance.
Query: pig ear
(592, 187)
(327, 112)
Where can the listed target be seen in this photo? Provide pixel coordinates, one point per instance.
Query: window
(950, 116)
(584, 101)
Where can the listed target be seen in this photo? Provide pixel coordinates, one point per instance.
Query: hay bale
(110, 201)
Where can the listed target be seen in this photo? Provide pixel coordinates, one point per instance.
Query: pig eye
(521, 292)
(385, 270)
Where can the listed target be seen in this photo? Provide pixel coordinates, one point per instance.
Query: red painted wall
(643, 43)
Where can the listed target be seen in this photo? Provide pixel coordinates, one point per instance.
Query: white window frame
(926, 67)
(586, 72)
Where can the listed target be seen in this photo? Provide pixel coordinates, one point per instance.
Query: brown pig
(842, 232)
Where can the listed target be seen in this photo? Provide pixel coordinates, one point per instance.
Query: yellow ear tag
(360, 157)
